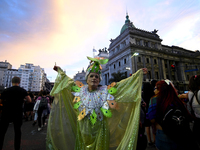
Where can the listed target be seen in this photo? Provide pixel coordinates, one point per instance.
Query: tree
(116, 77)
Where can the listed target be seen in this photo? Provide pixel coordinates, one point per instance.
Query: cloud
(65, 31)
(46, 32)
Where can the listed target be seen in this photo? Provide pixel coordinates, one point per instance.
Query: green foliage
(116, 77)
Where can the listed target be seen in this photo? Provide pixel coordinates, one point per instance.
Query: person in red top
(13, 99)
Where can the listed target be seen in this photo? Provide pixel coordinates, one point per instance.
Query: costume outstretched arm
(62, 118)
(125, 121)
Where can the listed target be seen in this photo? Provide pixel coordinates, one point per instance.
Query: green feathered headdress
(95, 66)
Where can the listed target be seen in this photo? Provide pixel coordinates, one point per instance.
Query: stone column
(169, 70)
(152, 68)
(143, 59)
(144, 65)
(163, 67)
(135, 62)
(175, 72)
(182, 71)
(131, 64)
(160, 68)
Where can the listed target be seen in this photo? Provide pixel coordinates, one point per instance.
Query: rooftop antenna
(126, 11)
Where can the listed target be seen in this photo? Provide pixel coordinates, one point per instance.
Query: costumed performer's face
(93, 81)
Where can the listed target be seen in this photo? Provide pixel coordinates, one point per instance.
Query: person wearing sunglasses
(94, 117)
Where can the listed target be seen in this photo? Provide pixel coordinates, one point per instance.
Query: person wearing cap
(93, 117)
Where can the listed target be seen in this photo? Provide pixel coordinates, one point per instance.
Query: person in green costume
(93, 117)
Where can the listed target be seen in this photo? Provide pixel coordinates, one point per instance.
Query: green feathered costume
(73, 125)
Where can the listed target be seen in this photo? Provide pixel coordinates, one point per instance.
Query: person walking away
(29, 107)
(43, 107)
(36, 106)
(13, 99)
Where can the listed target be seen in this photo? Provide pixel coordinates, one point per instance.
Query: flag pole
(93, 52)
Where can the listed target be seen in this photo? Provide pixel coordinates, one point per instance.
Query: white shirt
(195, 104)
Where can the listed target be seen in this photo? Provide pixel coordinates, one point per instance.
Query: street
(31, 138)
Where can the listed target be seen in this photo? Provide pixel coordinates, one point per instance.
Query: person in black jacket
(147, 93)
(13, 99)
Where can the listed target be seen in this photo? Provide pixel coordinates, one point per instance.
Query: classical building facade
(154, 56)
(80, 76)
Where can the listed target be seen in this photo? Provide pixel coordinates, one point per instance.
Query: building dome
(127, 24)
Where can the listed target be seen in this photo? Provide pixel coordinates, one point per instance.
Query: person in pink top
(42, 109)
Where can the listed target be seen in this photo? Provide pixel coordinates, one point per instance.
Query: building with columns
(80, 76)
(154, 56)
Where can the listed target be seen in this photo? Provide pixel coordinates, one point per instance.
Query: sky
(45, 32)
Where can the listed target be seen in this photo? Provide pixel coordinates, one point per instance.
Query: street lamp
(135, 54)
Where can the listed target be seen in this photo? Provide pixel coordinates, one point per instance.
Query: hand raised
(145, 71)
(56, 68)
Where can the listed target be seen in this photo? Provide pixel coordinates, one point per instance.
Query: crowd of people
(174, 118)
(33, 111)
(18, 104)
(129, 114)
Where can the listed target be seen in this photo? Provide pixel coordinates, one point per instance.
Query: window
(188, 77)
(155, 61)
(125, 61)
(146, 43)
(165, 65)
(138, 42)
(157, 77)
(153, 45)
(114, 66)
(173, 77)
(149, 72)
(147, 59)
(139, 59)
(119, 63)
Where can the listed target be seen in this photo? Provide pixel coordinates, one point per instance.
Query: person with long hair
(166, 96)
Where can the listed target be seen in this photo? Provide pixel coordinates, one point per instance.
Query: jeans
(40, 111)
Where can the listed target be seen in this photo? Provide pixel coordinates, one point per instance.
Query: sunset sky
(43, 32)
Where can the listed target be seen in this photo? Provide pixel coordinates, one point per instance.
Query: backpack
(174, 122)
(43, 103)
(191, 101)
